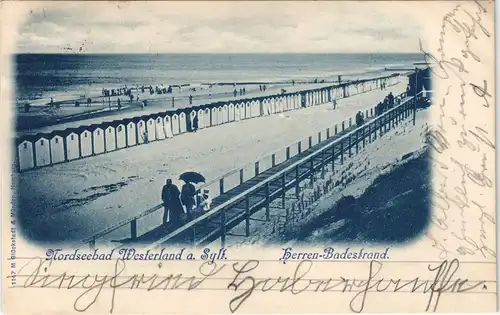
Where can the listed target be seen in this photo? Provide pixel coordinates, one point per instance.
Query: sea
(38, 77)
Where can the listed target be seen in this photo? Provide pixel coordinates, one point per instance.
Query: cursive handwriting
(435, 280)
(93, 285)
(460, 181)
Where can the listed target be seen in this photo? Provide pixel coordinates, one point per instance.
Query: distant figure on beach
(264, 87)
(260, 87)
(145, 136)
(89, 102)
(244, 91)
(119, 103)
(241, 91)
(293, 82)
(172, 207)
(334, 104)
(190, 99)
(52, 100)
(235, 92)
(137, 100)
(195, 123)
(188, 194)
(27, 107)
(210, 95)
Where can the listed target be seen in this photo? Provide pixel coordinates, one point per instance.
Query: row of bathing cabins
(58, 146)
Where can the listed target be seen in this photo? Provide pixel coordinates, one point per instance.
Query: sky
(217, 27)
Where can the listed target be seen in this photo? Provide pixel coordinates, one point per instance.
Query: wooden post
(241, 176)
(319, 137)
(370, 133)
(223, 227)
(221, 186)
(350, 145)
(375, 128)
(328, 133)
(356, 139)
(310, 142)
(335, 129)
(311, 170)
(256, 168)
(287, 153)
(133, 229)
(363, 136)
(247, 216)
(193, 235)
(268, 201)
(342, 152)
(297, 187)
(414, 110)
(333, 158)
(299, 147)
(343, 126)
(323, 163)
(283, 191)
(273, 159)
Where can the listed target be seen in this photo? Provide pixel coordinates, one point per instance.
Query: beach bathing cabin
(175, 124)
(131, 132)
(237, 112)
(220, 114)
(42, 151)
(25, 153)
(141, 130)
(72, 144)
(109, 137)
(225, 114)
(98, 139)
(256, 108)
(201, 118)
(56, 148)
(160, 127)
(167, 125)
(214, 116)
(150, 127)
(248, 110)
(230, 109)
(182, 122)
(206, 117)
(242, 111)
(86, 145)
(121, 135)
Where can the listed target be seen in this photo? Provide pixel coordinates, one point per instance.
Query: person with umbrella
(188, 191)
(171, 203)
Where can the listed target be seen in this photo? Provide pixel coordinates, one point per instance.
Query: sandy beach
(75, 200)
(156, 103)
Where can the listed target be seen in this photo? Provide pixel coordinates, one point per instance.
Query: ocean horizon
(39, 76)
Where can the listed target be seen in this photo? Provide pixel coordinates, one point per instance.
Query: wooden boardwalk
(220, 223)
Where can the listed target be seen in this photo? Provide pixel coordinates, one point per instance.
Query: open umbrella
(192, 177)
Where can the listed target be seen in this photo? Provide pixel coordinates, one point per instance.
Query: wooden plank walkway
(236, 213)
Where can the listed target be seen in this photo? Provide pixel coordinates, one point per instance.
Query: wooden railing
(373, 125)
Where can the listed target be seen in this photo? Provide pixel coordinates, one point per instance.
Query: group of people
(186, 203)
(242, 92)
(117, 92)
(388, 103)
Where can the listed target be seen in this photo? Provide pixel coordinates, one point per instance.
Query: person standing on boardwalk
(171, 203)
(188, 194)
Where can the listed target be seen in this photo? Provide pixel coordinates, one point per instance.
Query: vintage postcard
(248, 157)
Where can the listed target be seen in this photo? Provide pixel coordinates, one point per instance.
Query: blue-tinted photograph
(238, 126)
